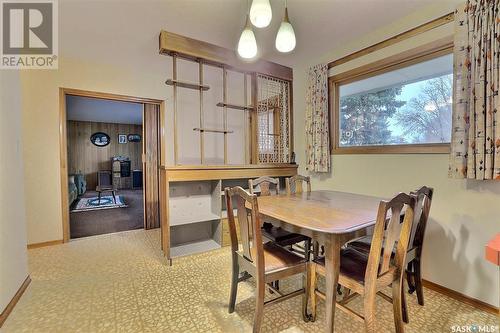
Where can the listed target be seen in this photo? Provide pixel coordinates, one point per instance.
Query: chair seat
(276, 257)
(352, 263)
(280, 236)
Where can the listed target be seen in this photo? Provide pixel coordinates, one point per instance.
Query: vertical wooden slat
(247, 122)
(174, 77)
(224, 97)
(151, 166)
(202, 133)
(254, 122)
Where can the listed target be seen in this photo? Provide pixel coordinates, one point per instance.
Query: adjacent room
(104, 166)
(250, 166)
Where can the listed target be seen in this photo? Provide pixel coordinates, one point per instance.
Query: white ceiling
(103, 111)
(125, 30)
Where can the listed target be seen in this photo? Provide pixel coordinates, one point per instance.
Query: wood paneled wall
(84, 157)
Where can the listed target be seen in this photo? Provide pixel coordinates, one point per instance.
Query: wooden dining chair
(266, 262)
(368, 275)
(414, 254)
(271, 186)
(294, 184)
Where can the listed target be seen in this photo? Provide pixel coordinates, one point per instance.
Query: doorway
(110, 159)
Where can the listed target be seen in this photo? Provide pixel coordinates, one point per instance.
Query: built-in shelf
(193, 248)
(211, 130)
(188, 85)
(236, 107)
(195, 218)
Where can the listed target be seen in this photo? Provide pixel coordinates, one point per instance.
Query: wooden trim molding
(416, 55)
(189, 48)
(461, 297)
(395, 39)
(44, 244)
(114, 97)
(5, 313)
(215, 172)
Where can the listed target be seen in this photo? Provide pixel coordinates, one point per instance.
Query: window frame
(401, 60)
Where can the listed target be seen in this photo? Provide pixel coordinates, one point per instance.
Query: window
(404, 108)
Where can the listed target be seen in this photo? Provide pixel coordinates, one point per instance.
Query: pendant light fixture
(261, 13)
(285, 39)
(247, 45)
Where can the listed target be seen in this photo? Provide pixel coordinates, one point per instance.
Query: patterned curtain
(317, 125)
(475, 144)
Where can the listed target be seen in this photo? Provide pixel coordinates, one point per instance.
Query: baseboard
(14, 300)
(461, 297)
(43, 244)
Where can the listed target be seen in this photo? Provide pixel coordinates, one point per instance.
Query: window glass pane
(410, 105)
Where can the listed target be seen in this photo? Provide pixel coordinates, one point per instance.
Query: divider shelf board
(188, 85)
(193, 248)
(235, 107)
(213, 130)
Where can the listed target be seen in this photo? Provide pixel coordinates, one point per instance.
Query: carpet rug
(93, 203)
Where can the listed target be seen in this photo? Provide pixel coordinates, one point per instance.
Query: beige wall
(13, 253)
(41, 125)
(465, 214)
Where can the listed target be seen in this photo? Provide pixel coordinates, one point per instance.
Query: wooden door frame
(63, 147)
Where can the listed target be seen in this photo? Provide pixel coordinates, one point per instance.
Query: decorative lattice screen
(273, 116)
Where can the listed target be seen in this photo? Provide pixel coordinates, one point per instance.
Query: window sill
(438, 148)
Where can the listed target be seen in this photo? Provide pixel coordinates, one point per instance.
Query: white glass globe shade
(285, 39)
(261, 13)
(247, 45)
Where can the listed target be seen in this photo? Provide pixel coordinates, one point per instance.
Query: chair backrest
(267, 185)
(249, 222)
(422, 209)
(294, 184)
(390, 232)
(104, 179)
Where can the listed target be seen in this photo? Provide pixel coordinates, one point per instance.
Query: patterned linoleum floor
(120, 283)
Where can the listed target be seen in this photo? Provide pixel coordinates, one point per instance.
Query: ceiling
(103, 110)
(122, 30)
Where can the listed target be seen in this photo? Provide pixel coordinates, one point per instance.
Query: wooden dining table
(328, 217)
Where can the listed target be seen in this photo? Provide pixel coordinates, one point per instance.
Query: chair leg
(277, 284)
(369, 311)
(315, 250)
(418, 282)
(397, 306)
(305, 297)
(404, 305)
(99, 198)
(307, 249)
(409, 277)
(259, 305)
(312, 289)
(234, 285)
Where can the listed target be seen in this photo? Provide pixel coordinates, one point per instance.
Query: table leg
(332, 268)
